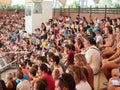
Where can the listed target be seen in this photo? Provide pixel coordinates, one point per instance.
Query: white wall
(34, 21)
(44, 16)
(28, 24)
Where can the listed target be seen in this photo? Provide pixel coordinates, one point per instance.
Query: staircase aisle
(98, 81)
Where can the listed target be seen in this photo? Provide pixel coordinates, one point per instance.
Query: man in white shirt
(92, 54)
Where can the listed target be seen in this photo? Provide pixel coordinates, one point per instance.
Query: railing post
(105, 11)
(69, 11)
(54, 11)
(61, 11)
(90, 11)
(79, 10)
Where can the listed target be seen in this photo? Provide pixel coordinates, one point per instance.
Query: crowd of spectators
(61, 54)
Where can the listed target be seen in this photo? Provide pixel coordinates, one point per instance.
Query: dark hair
(68, 46)
(23, 65)
(50, 54)
(42, 58)
(19, 74)
(2, 85)
(115, 20)
(72, 47)
(29, 63)
(110, 30)
(43, 67)
(118, 26)
(32, 71)
(56, 59)
(41, 84)
(67, 80)
(35, 67)
(91, 40)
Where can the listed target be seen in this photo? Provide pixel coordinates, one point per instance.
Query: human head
(23, 65)
(77, 73)
(50, 55)
(79, 60)
(118, 21)
(2, 85)
(29, 64)
(42, 59)
(117, 30)
(32, 72)
(43, 67)
(35, 67)
(65, 82)
(88, 41)
(69, 47)
(19, 74)
(96, 30)
(56, 59)
(89, 31)
(114, 21)
(108, 30)
(9, 76)
(41, 84)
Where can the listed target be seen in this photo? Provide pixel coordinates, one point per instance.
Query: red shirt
(70, 57)
(90, 77)
(50, 81)
(56, 31)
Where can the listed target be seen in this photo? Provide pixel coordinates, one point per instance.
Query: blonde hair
(77, 73)
(80, 58)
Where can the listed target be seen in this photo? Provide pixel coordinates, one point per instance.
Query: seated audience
(65, 82)
(79, 77)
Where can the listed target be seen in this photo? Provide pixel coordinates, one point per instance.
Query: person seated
(65, 82)
(32, 73)
(24, 84)
(41, 84)
(111, 63)
(111, 43)
(70, 55)
(80, 61)
(98, 37)
(2, 85)
(115, 76)
(57, 71)
(110, 86)
(45, 74)
(11, 84)
(90, 32)
(79, 77)
(92, 54)
(109, 40)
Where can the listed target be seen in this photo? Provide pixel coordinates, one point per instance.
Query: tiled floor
(98, 79)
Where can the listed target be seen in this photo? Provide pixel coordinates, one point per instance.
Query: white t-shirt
(60, 71)
(83, 86)
(93, 58)
(99, 39)
(23, 85)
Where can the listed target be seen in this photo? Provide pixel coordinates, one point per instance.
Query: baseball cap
(96, 29)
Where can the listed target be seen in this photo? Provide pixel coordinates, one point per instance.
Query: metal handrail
(87, 10)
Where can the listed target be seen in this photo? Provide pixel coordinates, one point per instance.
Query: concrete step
(98, 81)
